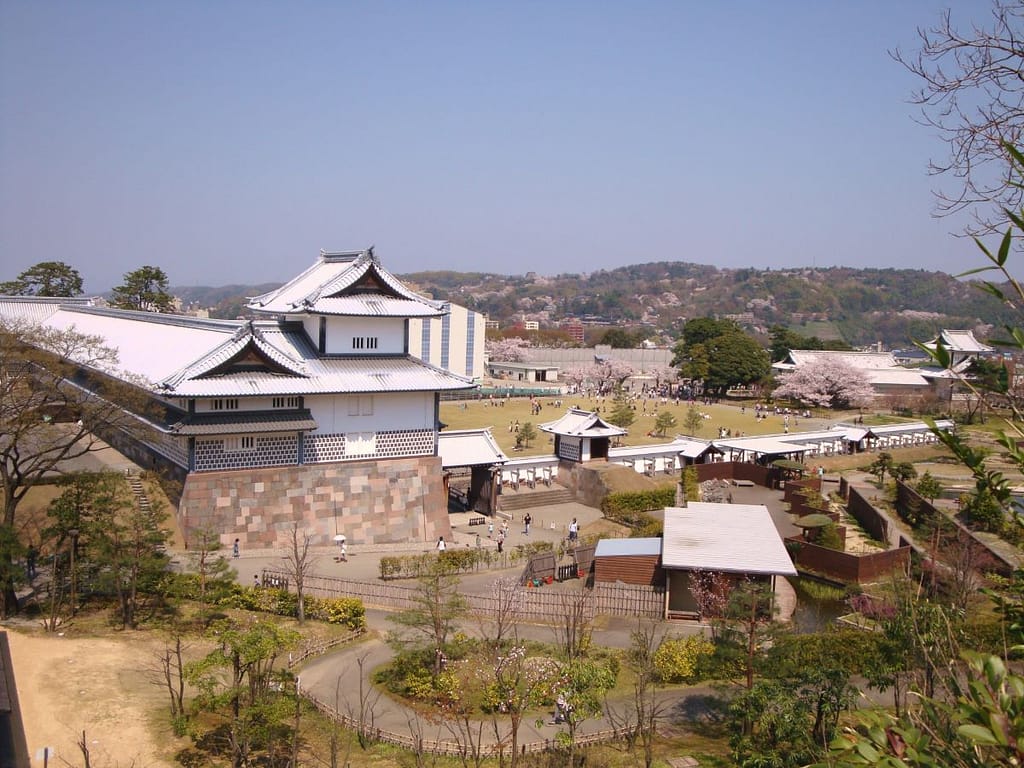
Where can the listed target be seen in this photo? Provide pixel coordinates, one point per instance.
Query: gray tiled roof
(328, 375)
(251, 421)
(316, 290)
(582, 423)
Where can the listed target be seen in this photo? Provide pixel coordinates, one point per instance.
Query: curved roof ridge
(247, 334)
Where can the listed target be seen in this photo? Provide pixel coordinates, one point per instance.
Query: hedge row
(455, 560)
(332, 610)
(631, 508)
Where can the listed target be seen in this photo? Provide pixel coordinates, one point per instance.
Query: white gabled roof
(180, 356)
(733, 538)
(350, 283)
(328, 376)
(864, 360)
(959, 341)
(880, 368)
(468, 448)
(582, 424)
(36, 309)
(691, 448)
(769, 445)
(150, 346)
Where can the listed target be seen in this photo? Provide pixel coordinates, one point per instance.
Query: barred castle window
(225, 404)
(286, 402)
(241, 443)
(364, 342)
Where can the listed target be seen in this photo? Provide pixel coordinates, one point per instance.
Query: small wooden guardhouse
(582, 435)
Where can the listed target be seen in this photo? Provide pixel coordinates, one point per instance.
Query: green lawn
(474, 414)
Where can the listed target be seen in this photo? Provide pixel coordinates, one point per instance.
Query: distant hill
(225, 302)
(860, 306)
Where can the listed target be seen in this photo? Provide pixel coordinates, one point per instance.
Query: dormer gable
(248, 359)
(247, 351)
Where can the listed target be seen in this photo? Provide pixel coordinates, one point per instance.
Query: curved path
(335, 679)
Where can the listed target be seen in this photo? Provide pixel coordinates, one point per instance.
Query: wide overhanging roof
(231, 423)
(732, 538)
(579, 423)
(765, 446)
(469, 448)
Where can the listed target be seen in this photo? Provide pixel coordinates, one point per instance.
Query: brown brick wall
(371, 502)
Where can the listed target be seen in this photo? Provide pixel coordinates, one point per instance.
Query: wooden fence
(418, 744)
(320, 646)
(538, 604)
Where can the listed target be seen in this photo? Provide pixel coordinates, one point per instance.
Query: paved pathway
(335, 679)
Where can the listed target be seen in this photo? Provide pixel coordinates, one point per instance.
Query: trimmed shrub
(676, 658)
(280, 602)
(337, 610)
(631, 508)
(691, 485)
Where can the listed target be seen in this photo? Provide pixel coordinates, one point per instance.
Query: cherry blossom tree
(609, 374)
(829, 382)
(575, 377)
(510, 350)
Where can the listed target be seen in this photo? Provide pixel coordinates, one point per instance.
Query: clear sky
(228, 142)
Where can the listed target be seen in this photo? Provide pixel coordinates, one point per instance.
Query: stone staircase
(526, 498)
(145, 507)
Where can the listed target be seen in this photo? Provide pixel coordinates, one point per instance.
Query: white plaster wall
(405, 410)
(311, 325)
(205, 405)
(389, 331)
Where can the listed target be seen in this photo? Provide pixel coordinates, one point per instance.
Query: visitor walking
(440, 544)
(527, 519)
(236, 549)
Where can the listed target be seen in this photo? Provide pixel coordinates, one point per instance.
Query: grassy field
(475, 414)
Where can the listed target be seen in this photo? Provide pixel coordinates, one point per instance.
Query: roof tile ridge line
(164, 318)
(80, 301)
(368, 260)
(251, 300)
(341, 280)
(243, 334)
(298, 367)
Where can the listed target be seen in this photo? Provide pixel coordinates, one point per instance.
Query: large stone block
(372, 502)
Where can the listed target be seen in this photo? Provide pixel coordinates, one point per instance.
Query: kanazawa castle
(323, 412)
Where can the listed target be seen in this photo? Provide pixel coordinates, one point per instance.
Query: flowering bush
(676, 658)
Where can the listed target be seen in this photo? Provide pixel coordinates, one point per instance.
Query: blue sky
(229, 142)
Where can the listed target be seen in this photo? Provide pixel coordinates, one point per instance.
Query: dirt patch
(68, 685)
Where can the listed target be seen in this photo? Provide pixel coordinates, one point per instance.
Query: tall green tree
(437, 607)
(622, 414)
(236, 690)
(127, 543)
(736, 359)
(621, 338)
(144, 289)
(665, 421)
(720, 354)
(44, 422)
(47, 278)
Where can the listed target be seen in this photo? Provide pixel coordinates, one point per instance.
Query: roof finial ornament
(371, 254)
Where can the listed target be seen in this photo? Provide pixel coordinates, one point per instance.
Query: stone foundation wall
(371, 502)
